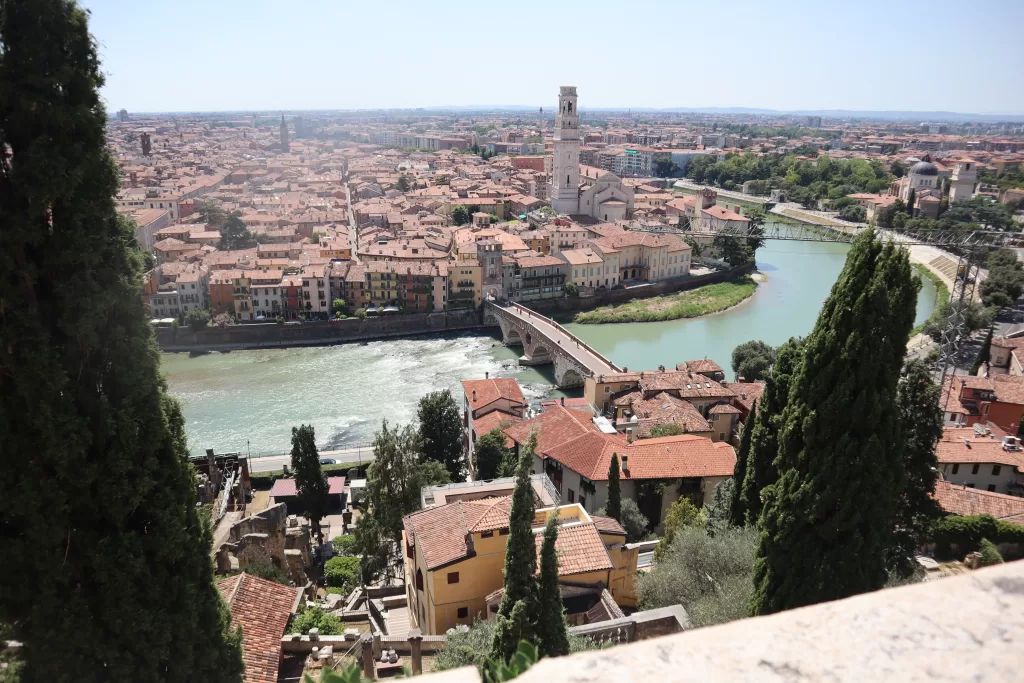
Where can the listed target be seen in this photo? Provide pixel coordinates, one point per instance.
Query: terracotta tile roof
(689, 385)
(262, 608)
(702, 366)
(490, 390)
(494, 420)
(607, 525)
(579, 549)
(1008, 388)
(284, 488)
(952, 399)
(578, 402)
(665, 409)
(723, 409)
(495, 513)
(953, 449)
(961, 500)
(673, 457)
(554, 426)
(747, 393)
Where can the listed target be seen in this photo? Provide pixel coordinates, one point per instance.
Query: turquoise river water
(251, 399)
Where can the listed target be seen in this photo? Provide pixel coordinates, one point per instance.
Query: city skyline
(327, 56)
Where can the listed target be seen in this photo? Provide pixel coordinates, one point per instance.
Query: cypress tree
(614, 505)
(984, 353)
(764, 437)
(552, 629)
(310, 479)
(107, 573)
(737, 509)
(920, 420)
(827, 522)
(518, 608)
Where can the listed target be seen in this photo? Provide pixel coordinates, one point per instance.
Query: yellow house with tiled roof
(455, 556)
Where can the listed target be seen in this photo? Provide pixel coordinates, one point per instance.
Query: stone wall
(271, 335)
(266, 536)
(963, 628)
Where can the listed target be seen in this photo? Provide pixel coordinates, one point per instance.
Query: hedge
(262, 481)
(966, 532)
(342, 572)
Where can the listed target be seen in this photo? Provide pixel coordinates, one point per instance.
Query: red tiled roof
(961, 500)
(608, 525)
(579, 549)
(554, 426)
(747, 393)
(262, 608)
(674, 457)
(494, 420)
(490, 390)
(723, 409)
(689, 385)
(953, 448)
(702, 366)
(284, 488)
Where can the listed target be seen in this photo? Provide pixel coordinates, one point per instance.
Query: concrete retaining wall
(270, 335)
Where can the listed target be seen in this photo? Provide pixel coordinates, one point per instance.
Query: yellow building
(465, 284)
(455, 556)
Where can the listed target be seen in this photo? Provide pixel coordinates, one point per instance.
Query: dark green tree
(752, 360)
(920, 420)
(518, 607)
(764, 437)
(827, 522)
(106, 555)
(737, 509)
(197, 318)
(310, 479)
(911, 198)
(234, 234)
(666, 429)
(441, 432)
(491, 456)
(552, 630)
(984, 353)
(460, 214)
(614, 505)
(392, 491)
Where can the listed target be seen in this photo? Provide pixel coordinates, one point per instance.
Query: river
(251, 399)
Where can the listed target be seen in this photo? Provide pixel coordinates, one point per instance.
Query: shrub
(344, 545)
(633, 521)
(197, 318)
(342, 572)
(472, 646)
(989, 553)
(316, 617)
(966, 533)
(711, 576)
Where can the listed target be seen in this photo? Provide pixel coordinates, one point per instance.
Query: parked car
(328, 461)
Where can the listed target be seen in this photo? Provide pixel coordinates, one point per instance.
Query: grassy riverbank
(689, 304)
(940, 288)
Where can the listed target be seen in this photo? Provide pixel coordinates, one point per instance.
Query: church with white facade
(608, 199)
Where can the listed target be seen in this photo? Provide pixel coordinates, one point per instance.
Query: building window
(419, 579)
(975, 469)
(572, 496)
(463, 612)
(996, 469)
(992, 487)
(453, 577)
(583, 502)
(503, 532)
(487, 534)
(956, 468)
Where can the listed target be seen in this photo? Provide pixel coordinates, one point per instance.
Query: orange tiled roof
(490, 390)
(961, 500)
(963, 446)
(554, 426)
(579, 549)
(494, 420)
(262, 608)
(608, 525)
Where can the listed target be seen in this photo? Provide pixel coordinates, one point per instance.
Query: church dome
(924, 167)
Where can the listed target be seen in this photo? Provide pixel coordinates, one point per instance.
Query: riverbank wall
(320, 333)
(325, 333)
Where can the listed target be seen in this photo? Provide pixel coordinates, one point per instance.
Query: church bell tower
(565, 181)
(284, 135)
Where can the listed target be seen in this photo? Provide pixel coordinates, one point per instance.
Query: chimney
(487, 375)
(629, 438)
(562, 400)
(474, 396)
(625, 458)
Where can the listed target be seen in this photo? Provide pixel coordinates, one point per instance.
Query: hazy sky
(184, 55)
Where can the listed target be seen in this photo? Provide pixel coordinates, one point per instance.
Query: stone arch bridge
(545, 341)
